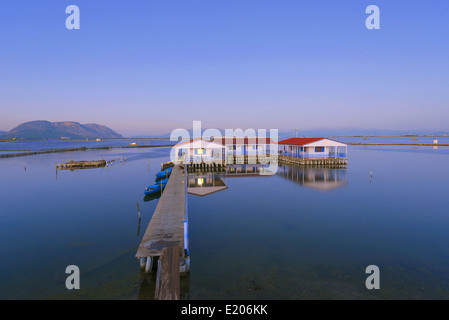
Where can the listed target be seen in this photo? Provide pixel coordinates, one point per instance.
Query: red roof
(299, 141)
(243, 140)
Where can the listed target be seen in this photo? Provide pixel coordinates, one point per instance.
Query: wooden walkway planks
(166, 228)
(83, 164)
(168, 275)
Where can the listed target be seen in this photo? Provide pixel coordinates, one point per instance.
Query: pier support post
(187, 263)
(149, 265)
(143, 262)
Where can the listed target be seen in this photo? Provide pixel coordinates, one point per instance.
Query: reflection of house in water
(320, 178)
(205, 183)
(247, 170)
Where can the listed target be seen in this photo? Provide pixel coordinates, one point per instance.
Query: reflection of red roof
(299, 141)
(243, 140)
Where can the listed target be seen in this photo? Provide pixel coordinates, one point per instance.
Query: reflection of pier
(321, 178)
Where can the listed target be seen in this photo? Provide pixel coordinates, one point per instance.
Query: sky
(150, 66)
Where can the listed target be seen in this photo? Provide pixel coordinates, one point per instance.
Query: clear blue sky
(151, 66)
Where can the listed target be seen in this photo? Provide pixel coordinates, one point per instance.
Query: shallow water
(417, 140)
(19, 146)
(300, 234)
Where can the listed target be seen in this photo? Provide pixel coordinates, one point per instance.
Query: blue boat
(157, 187)
(163, 174)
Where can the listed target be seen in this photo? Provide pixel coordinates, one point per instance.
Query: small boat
(163, 174)
(157, 187)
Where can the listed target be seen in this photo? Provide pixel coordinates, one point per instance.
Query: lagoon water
(299, 234)
(19, 146)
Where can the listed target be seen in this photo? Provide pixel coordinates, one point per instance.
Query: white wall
(309, 149)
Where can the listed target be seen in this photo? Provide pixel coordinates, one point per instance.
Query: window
(199, 151)
(319, 149)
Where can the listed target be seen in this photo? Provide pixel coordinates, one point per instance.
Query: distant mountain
(58, 130)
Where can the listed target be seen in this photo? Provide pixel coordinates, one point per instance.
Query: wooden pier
(205, 167)
(327, 162)
(82, 164)
(165, 237)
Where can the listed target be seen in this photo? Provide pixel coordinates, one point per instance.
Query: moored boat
(157, 187)
(163, 174)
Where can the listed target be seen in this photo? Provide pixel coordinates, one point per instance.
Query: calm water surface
(300, 234)
(19, 146)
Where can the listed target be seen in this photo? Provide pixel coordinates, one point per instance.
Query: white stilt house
(197, 151)
(313, 148)
(245, 146)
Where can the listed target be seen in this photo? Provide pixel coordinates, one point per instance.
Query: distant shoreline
(83, 139)
(399, 136)
(29, 153)
(22, 154)
(280, 137)
(397, 144)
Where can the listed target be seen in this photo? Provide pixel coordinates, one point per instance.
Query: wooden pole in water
(138, 228)
(138, 209)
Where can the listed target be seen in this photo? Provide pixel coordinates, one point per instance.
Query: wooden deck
(168, 276)
(327, 162)
(82, 164)
(166, 228)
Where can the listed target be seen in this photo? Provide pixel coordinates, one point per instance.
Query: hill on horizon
(42, 129)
